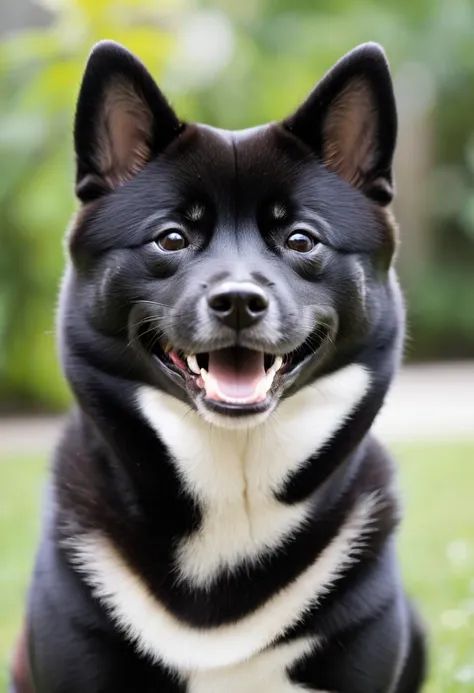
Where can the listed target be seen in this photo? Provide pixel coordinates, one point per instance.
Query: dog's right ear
(122, 121)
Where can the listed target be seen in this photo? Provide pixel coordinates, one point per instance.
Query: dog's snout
(238, 304)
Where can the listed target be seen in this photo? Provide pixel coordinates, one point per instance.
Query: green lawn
(437, 548)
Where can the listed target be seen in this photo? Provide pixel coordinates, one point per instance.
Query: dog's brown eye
(300, 242)
(173, 240)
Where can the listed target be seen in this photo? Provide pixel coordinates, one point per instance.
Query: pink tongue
(235, 374)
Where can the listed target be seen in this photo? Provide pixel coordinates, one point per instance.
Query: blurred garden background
(236, 64)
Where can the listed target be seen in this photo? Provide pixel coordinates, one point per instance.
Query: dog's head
(230, 269)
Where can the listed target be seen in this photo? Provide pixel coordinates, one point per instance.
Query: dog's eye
(172, 240)
(300, 241)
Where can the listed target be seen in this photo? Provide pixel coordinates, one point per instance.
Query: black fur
(111, 471)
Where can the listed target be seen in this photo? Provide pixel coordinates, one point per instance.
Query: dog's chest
(236, 475)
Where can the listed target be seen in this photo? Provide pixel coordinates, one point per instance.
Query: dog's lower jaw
(343, 385)
(245, 422)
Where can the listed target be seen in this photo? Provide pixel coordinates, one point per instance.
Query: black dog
(220, 519)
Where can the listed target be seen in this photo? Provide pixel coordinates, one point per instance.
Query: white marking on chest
(235, 474)
(175, 643)
(266, 671)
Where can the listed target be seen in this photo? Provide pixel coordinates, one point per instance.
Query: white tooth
(193, 364)
(204, 374)
(269, 381)
(266, 383)
(277, 364)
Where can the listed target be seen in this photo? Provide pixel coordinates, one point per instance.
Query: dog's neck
(302, 442)
(214, 512)
(237, 476)
(261, 456)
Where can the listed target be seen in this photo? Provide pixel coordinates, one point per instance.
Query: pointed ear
(122, 121)
(349, 120)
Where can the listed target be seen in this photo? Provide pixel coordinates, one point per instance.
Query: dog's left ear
(350, 122)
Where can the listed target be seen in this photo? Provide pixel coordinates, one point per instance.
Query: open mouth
(235, 376)
(232, 376)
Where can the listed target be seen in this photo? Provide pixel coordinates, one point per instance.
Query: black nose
(238, 304)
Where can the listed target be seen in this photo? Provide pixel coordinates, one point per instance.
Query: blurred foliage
(233, 65)
(40, 72)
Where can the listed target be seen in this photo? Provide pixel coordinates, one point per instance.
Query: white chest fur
(234, 475)
(266, 671)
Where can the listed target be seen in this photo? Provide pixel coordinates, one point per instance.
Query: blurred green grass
(436, 546)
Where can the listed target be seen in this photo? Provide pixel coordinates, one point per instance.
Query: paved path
(430, 402)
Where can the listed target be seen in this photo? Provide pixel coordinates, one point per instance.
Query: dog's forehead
(255, 139)
(258, 159)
